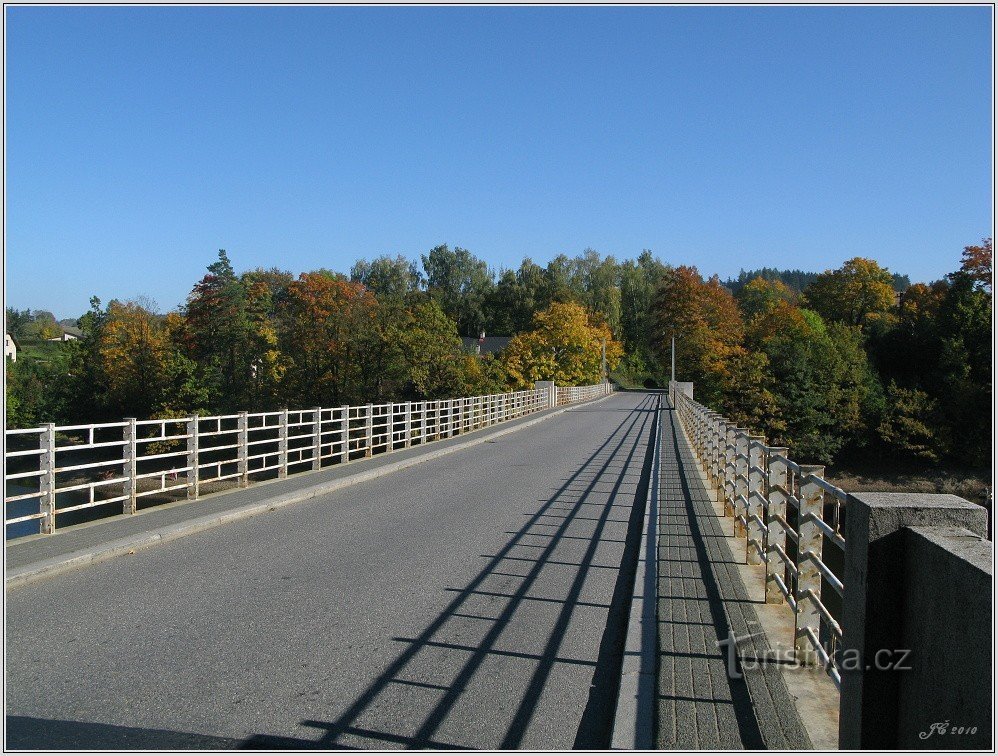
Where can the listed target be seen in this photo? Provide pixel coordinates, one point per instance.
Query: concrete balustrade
(911, 646)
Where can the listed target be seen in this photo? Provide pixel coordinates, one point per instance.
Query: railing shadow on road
(613, 464)
(740, 698)
(63, 735)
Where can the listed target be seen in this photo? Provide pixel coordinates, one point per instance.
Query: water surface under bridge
(476, 600)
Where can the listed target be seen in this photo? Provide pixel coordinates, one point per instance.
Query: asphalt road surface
(476, 600)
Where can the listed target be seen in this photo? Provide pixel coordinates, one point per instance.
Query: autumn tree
(857, 293)
(565, 346)
(326, 326)
(761, 296)
(707, 326)
(977, 264)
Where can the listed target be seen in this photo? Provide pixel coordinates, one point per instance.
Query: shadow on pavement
(604, 471)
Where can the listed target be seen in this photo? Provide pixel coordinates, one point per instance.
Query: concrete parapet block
(874, 610)
(549, 386)
(947, 623)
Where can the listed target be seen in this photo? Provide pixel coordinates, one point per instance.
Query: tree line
(852, 360)
(266, 339)
(848, 366)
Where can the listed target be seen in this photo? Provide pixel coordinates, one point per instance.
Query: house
(10, 347)
(68, 334)
(485, 344)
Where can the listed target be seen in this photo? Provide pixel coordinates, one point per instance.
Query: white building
(9, 347)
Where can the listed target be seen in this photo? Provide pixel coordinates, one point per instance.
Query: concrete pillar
(408, 424)
(282, 446)
(873, 616)
(344, 433)
(317, 438)
(740, 492)
(776, 538)
(369, 430)
(809, 540)
(193, 478)
(130, 471)
(755, 542)
(242, 452)
(728, 494)
(46, 481)
(552, 395)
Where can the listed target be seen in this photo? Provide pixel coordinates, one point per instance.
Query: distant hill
(798, 280)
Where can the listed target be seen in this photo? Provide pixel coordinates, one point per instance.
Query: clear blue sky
(141, 140)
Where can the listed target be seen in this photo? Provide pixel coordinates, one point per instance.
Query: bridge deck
(475, 600)
(702, 600)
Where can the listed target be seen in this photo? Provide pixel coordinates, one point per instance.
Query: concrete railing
(790, 518)
(54, 470)
(890, 592)
(576, 394)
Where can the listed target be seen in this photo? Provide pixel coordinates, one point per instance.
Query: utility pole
(673, 357)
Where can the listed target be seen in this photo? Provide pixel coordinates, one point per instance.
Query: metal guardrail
(791, 518)
(54, 470)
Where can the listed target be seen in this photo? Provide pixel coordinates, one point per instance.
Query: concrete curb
(634, 718)
(19, 576)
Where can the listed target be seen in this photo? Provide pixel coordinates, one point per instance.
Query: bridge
(553, 569)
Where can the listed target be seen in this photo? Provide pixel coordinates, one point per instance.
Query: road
(475, 600)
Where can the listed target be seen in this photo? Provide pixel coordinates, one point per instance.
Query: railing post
(408, 424)
(369, 431)
(317, 438)
(435, 435)
(344, 433)
(130, 466)
(459, 414)
(728, 478)
(282, 446)
(242, 425)
(193, 486)
(741, 481)
(390, 427)
(720, 437)
(776, 539)
(755, 542)
(46, 481)
(809, 540)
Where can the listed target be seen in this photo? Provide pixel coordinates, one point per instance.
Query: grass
(973, 485)
(43, 351)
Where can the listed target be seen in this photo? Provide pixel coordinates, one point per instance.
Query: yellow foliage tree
(133, 350)
(858, 293)
(565, 346)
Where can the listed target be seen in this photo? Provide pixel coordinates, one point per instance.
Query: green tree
(461, 283)
(388, 276)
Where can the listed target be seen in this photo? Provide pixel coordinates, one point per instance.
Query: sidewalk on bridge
(702, 601)
(35, 557)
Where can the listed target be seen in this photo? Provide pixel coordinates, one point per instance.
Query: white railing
(54, 470)
(575, 394)
(788, 514)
